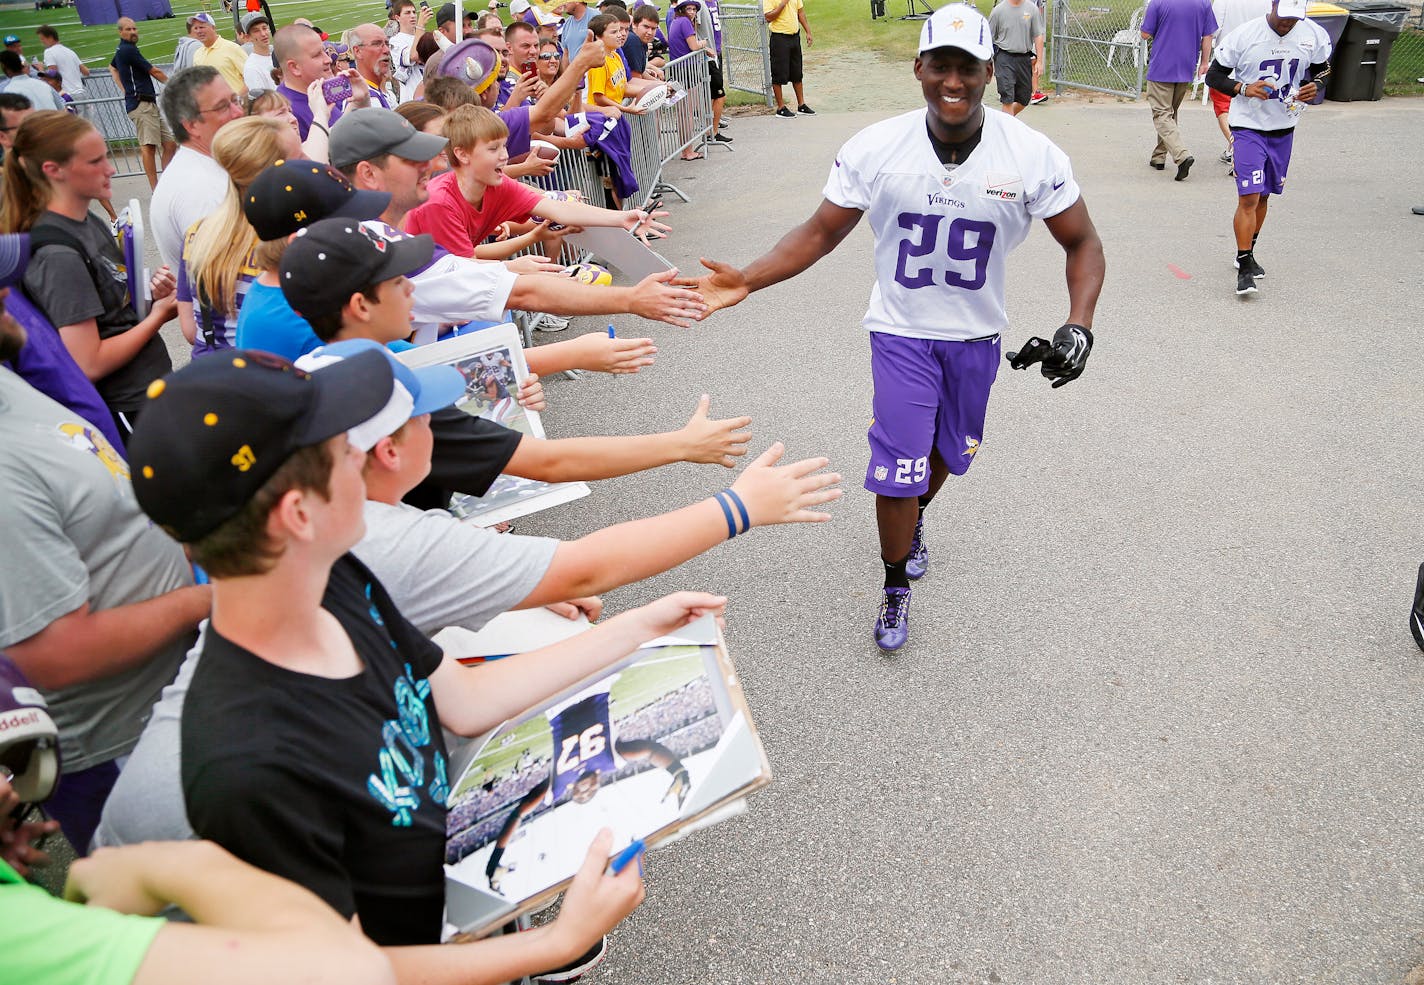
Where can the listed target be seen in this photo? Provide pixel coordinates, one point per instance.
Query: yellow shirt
(228, 58)
(786, 23)
(611, 79)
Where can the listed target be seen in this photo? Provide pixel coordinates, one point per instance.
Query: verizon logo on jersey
(1006, 194)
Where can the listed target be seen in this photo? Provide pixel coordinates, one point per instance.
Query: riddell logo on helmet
(19, 719)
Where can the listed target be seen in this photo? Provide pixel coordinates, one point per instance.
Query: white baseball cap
(1291, 8)
(959, 25)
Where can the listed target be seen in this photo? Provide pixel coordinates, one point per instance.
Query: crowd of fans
(220, 582)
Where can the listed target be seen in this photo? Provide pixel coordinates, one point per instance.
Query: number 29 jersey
(942, 235)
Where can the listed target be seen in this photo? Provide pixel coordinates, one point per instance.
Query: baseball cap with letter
(292, 194)
(214, 432)
(958, 25)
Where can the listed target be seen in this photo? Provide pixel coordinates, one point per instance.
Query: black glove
(681, 784)
(1063, 359)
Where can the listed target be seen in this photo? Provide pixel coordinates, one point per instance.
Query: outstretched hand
(724, 287)
(710, 442)
(782, 493)
(657, 297)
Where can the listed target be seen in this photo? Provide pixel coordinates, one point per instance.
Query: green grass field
(159, 38)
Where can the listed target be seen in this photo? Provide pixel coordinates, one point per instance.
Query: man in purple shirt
(298, 54)
(1180, 32)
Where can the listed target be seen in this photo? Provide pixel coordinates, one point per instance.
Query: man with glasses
(135, 75)
(372, 52)
(218, 52)
(199, 102)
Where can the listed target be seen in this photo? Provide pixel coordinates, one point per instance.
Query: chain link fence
(1406, 58)
(103, 106)
(1097, 47)
(746, 58)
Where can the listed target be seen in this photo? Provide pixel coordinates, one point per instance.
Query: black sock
(1253, 241)
(1242, 255)
(895, 576)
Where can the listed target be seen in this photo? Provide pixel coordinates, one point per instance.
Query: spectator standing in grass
(133, 73)
(72, 71)
(786, 20)
(257, 70)
(1017, 26)
(1180, 32)
(224, 55)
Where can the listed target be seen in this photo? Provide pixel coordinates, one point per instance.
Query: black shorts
(785, 58)
(1014, 73)
(714, 72)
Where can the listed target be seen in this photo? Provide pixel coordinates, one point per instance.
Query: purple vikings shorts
(1261, 161)
(929, 394)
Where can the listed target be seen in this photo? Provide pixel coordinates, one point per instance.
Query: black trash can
(1358, 67)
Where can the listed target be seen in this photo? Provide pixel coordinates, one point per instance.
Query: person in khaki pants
(1181, 33)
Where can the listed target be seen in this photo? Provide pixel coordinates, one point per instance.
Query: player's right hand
(709, 442)
(722, 288)
(1063, 359)
(596, 901)
(784, 493)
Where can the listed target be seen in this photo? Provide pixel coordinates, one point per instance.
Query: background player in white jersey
(1271, 67)
(950, 191)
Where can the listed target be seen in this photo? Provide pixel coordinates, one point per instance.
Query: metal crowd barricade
(663, 135)
(103, 106)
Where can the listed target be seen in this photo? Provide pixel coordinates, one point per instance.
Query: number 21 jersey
(942, 235)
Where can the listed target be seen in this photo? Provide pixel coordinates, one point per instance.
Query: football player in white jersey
(950, 190)
(1271, 67)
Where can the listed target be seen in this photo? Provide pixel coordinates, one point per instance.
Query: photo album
(654, 747)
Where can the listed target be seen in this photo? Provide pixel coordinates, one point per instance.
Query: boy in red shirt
(470, 202)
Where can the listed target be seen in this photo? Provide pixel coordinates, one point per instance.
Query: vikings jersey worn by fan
(1255, 52)
(942, 234)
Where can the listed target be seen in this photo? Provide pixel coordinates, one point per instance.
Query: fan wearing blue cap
(950, 190)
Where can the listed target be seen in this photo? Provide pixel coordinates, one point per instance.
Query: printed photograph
(624, 753)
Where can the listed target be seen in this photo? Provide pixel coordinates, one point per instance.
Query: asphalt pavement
(1154, 722)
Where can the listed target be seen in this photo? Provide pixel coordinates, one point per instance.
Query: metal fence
(1097, 47)
(746, 57)
(103, 106)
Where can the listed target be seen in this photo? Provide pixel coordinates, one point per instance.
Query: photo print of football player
(491, 389)
(624, 753)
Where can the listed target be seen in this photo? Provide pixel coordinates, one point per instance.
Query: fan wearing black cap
(309, 738)
(252, 926)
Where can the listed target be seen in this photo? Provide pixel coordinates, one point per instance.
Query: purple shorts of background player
(929, 393)
(1261, 161)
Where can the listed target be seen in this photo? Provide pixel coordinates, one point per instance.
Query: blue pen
(621, 860)
(610, 331)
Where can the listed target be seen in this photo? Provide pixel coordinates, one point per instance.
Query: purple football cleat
(892, 628)
(919, 560)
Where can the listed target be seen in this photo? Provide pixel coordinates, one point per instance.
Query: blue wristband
(727, 513)
(741, 508)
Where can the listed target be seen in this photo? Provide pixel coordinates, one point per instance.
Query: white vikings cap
(1291, 8)
(959, 25)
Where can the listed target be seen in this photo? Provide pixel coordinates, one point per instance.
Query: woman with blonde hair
(57, 167)
(218, 265)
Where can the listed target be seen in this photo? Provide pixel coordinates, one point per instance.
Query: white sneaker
(1225, 157)
(551, 323)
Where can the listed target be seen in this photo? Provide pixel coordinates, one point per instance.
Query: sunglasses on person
(550, 57)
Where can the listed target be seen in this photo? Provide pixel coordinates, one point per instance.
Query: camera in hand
(336, 88)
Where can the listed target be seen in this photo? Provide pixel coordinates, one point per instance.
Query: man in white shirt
(410, 21)
(949, 191)
(198, 102)
(1271, 68)
(257, 71)
(40, 95)
(72, 71)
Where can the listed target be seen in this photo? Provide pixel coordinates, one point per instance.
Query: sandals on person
(695, 157)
